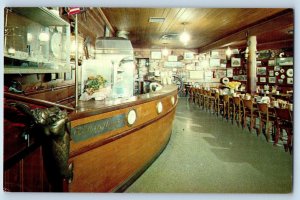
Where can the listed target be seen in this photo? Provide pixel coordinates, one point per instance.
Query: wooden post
(76, 62)
(251, 66)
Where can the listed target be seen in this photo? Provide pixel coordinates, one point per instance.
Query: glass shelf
(41, 15)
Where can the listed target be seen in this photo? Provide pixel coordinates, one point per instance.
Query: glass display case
(36, 40)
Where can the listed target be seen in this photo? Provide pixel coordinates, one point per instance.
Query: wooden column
(251, 65)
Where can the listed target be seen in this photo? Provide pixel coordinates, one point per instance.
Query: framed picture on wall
(188, 55)
(277, 68)
(236, 78)
(271, 73)
(271, 62)
(221, 73)
(290, 80)
(258, 63)
(214, 54)
(214, 62)
(235, 62)
(242, 77)
(172, 58)
(262, 79)
(272, 79)
(155, 54)
(285, 61)
(261, 71)
(229, 72)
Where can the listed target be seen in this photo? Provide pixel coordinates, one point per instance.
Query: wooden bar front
(110, 161)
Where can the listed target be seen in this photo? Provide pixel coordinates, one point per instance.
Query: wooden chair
(205, 99)
(196, 95)
(209, 100)
(250, 112)
(201, 98)
(284, 121)
(237, 111)
(266, 119)
(227, 109)
(219, 104)
(191, 94)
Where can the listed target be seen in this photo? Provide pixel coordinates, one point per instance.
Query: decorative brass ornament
(56, 140)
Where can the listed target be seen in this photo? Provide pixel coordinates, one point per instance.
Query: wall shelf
(41, 15)
(32, 70)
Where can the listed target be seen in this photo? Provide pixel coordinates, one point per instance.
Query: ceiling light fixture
(156, 19)
(228, 52)
(184, 36)
(165, 52)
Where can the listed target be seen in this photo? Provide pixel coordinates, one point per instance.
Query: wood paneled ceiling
(208, 27)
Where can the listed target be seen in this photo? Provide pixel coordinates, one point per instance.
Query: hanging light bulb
(228, 52)
(165, 51)
(247, 53)
(185, 36)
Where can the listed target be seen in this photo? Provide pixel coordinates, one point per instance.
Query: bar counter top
(92, 107)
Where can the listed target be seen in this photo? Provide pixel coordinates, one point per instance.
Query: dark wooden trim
(65, 99)
(35, 101)
(134, 177)
(8, 163)
(118, 136)
(79, 115)
(49, 89)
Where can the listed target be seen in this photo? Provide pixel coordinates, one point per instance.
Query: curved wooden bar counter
(113, 142)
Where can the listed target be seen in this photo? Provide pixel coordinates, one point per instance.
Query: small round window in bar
(131, 117)
(159, 107)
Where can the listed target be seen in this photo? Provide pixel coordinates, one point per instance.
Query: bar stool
(227, 107)
(219, 104)
(237, 111)
(196, 95)
(284, 121)
(250, 112)
(191, 94)
(265, 119)
(209, 100)
(201, 98)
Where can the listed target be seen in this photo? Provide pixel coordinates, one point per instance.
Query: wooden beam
(112, 30)
(276, 44)
(276, 23)
(98, 22)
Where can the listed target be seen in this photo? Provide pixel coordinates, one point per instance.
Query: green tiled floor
(209, 155)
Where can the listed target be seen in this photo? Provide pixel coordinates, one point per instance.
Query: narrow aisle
(207, 154)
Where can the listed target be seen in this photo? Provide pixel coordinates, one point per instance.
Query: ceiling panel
(206, 25)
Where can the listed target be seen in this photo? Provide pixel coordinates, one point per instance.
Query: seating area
(268, 115)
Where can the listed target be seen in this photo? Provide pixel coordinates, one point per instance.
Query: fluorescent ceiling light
(156, 19)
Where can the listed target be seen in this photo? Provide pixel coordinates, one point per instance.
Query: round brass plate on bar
(159, 107)
(131, 117)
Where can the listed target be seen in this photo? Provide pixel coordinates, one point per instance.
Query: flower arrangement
(233, 85)
(94, 83)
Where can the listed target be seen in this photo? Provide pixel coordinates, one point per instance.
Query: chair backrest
(263, 108)
(226, 98)
(247, 105)
(237, 101)
(283, 114)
